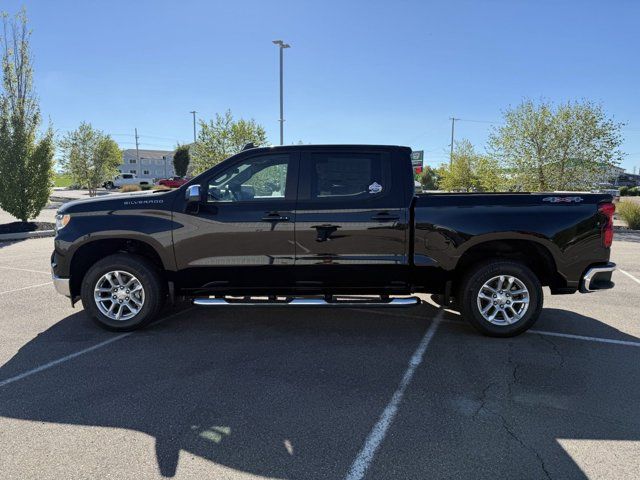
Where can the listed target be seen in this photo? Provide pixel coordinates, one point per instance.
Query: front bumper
(62, 285)
(598, 277)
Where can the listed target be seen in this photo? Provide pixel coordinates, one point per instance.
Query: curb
(56, 198)
(26, 235)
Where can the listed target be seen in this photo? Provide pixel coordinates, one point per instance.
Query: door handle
(275, 217)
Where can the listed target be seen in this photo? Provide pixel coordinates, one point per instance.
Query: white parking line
(584, 337)
(71, 356)
(24, 270)
(58, 361)
(25, 288)
(15, 257)
(379, 431)
(572, 336)
(629, 275)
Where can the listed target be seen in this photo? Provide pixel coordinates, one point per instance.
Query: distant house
(152, 164)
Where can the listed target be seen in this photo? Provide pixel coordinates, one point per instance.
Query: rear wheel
(123, 292)
(501, 298)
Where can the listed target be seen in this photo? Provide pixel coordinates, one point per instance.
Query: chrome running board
(306, 302)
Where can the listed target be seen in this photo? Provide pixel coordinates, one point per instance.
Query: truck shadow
(272, 392)
(8, 243)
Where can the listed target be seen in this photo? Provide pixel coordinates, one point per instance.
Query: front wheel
(501, 298)
(122, 292)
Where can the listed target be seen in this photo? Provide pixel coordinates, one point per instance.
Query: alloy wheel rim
(503, 300)
(119, 295)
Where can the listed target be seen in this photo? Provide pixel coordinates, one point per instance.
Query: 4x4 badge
(562, 199)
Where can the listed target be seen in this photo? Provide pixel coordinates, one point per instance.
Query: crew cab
(328, 226)
(123, 179)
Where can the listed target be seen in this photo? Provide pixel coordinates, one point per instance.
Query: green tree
(429, 178)
(222, 137)
(566, 147)
(491, 177)
(470, 171)
(26, 159)
(90, 156)
(181, 159)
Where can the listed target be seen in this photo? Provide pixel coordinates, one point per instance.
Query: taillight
(607, 209)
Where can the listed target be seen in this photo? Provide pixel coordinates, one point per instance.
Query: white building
(152, 164)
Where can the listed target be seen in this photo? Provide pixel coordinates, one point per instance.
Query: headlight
(61, 221)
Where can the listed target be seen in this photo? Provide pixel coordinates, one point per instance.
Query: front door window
(256, 179)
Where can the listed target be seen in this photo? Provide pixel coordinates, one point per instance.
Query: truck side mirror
(192, 194)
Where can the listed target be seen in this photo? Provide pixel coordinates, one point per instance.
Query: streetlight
(282, 46)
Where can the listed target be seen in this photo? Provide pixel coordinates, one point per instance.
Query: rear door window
(347, 177)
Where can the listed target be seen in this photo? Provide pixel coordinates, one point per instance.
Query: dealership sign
(417, 159)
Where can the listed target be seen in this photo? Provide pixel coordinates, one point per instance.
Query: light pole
(282, 46)
(193, 112)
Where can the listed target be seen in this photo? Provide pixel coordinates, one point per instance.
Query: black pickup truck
(328, 226)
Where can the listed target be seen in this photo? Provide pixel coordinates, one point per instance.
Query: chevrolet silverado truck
(126, 179)
(329, 226)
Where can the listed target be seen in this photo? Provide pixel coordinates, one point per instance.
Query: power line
(491, 122)
(142, 136)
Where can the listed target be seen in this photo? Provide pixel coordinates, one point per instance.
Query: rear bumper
(598, 277)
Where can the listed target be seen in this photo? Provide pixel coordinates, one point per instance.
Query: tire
(485, 288)
(109, 185)
(148, 299)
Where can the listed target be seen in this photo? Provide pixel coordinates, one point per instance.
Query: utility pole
(193, 112)
(453, 127)
(282, 46)
(137, 153)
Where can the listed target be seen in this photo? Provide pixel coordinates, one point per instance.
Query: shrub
(630, 212)
(181, 159)
(162, 188)
(624, 191)
(130, 188)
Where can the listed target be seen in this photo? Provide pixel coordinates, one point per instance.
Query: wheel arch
(90, 252)
(535, 255)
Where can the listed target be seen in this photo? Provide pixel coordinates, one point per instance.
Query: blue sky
(358, 72)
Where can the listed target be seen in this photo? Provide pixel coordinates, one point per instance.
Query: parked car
(321, 226)
(173, 182)
(126, 179)
(614, 192)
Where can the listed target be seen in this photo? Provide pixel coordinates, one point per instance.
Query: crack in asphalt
(483, 399)
(509, 429)
(505, 424)
(555, 349)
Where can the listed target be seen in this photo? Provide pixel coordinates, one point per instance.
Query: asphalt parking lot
(314, 393)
